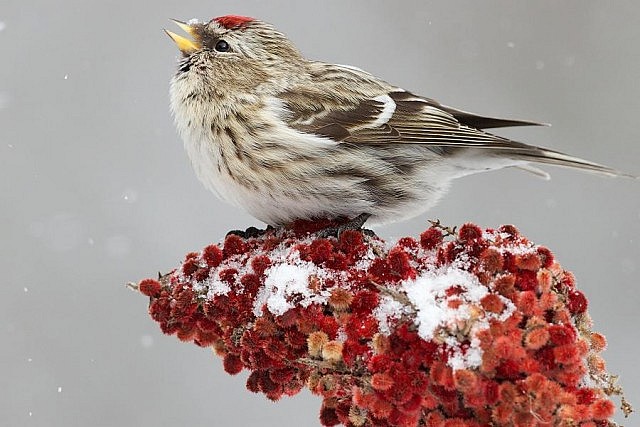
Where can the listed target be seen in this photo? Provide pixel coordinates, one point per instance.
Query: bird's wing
(402, 117)
(396, 116)
(483, 122)
(399, 117)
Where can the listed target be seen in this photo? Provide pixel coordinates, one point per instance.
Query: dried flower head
(466, 329)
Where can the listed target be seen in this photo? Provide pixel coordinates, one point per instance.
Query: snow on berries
(466, 329)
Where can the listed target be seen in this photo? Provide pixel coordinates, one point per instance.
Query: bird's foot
(250, 233)
(353, 224)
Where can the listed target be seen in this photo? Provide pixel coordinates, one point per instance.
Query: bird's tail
(506, 153)
(532, 154)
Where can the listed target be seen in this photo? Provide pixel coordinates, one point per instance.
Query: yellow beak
(185, 45)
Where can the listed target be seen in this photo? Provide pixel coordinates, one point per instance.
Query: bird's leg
(357, 222)
(353, 224)
(239, 233)
(251, 232)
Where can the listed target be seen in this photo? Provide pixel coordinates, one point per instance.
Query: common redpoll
(288, 138)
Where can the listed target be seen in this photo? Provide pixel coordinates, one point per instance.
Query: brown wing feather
(414, 121)
(347, 116)
(463, 117)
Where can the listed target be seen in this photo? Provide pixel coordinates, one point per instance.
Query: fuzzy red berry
(150, 287)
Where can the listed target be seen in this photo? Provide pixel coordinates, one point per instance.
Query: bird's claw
(353, 224)
(249, 233)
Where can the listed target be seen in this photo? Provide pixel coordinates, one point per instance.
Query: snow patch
(286, 282)
(215, 287)
(434, 317)
(427, 294)
(388, 309)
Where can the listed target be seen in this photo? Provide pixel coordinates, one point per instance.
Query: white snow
(427, 294)
(435, 318)
(286, 282)
(516, 248)
(472, 358)
(130, 195)
(365, 262)
(215, 287)
(388, 309)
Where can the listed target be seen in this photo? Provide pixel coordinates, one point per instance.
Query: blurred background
(96, 191)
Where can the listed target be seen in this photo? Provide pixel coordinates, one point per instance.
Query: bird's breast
(251, 158)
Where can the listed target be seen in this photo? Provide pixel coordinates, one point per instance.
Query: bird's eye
(222, 46)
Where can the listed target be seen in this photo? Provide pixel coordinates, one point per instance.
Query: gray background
(96, 190)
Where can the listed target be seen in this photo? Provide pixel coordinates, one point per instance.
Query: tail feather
(527, 167)
(556, 158)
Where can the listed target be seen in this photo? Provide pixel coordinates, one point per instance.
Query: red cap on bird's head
(233, 21)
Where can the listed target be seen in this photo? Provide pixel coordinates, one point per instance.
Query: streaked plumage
(287, 138)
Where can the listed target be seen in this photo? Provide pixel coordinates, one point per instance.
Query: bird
(287, 138)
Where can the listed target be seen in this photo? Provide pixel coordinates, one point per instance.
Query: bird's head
(234, 53)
